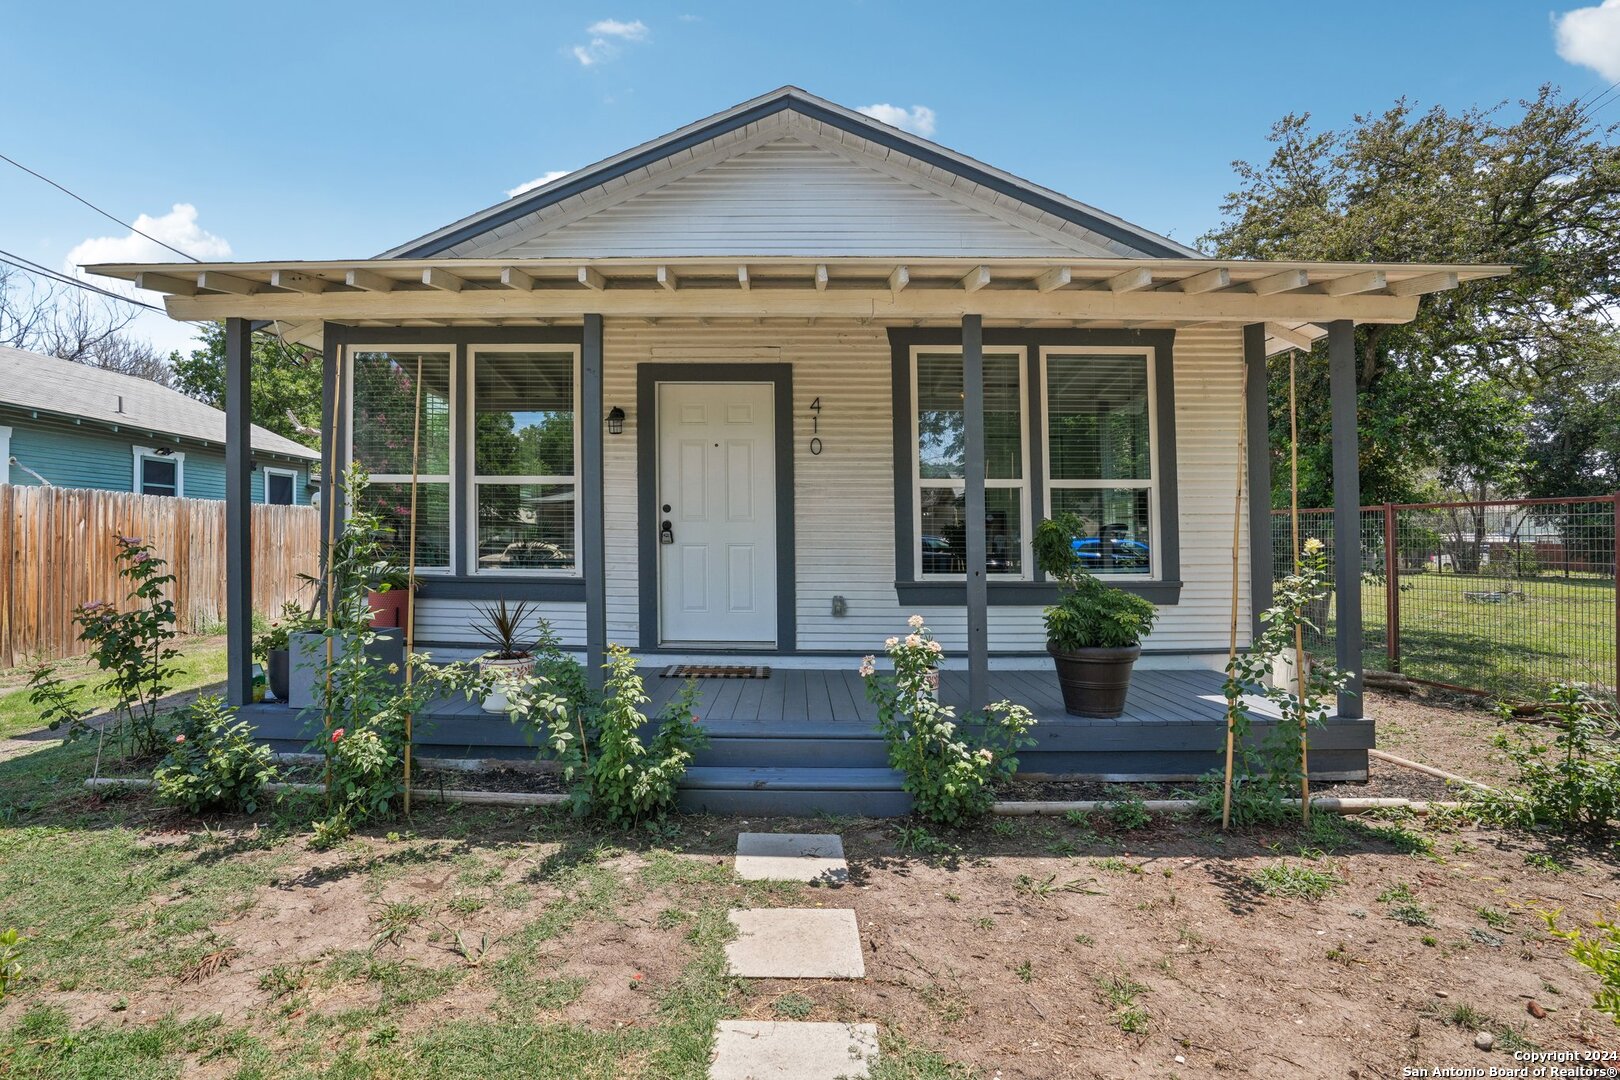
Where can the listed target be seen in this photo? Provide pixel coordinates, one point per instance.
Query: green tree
(1450, 398)
(286, 382)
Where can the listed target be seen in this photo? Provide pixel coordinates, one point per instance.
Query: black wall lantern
(615, 421)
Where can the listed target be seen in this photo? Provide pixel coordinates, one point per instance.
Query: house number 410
(815, 426)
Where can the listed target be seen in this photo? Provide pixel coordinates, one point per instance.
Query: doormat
(716, 671)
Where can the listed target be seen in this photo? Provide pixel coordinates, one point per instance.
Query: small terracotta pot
(387, 608)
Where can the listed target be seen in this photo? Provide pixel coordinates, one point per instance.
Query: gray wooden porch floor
(794, 695)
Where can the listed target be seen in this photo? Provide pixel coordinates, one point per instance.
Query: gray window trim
(911, 590)
(648, 376)
(459, 583)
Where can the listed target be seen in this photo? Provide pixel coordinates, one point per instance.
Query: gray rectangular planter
(307, 660)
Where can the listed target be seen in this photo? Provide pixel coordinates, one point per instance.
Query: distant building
(75, 426)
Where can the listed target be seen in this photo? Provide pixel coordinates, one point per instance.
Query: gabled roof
(34, 381)
(1105, 234)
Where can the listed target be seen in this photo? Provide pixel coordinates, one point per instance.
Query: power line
(30, 267)
(97, 209)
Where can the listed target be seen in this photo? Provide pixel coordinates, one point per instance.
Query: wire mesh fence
(1506, 598)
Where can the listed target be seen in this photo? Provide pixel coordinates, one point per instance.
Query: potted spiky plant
(511, 656)
(1094, 631)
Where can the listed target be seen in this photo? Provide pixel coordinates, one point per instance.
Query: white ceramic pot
(505, 672)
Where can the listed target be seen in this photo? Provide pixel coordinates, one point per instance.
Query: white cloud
(1590, 37)
(607, 38)
(539, 181)
(178, 227)
(919, 119)
(629, 31)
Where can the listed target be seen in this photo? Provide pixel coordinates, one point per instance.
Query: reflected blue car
(1123, 552)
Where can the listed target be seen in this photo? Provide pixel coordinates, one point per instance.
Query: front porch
(804, 740)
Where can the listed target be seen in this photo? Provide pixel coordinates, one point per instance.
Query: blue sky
(339, 129)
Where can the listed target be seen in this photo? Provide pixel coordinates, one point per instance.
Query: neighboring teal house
(74, 426)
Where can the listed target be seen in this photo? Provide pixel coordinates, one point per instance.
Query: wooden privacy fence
(58, 550)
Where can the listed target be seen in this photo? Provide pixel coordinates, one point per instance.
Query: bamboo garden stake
(410, 572)
(331, 542)
(1299, 627)
(1231, 647)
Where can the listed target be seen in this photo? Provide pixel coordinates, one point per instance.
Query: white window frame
(470, 529)
(448, 479)
(5, 454)
(1026, 553)
(1151, 484)
(268, 471)
(141, 453)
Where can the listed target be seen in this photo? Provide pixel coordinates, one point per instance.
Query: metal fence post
(1392, 589)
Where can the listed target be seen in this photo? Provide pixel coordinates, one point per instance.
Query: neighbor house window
(278, 487)
(381, 439)
(524, 410)
(941, 464)
(159, 472)
(1099, 454)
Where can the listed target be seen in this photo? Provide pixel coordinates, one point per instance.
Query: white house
(740, 391)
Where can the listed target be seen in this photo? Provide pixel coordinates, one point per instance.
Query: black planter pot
(1095, 681)
(276, 670)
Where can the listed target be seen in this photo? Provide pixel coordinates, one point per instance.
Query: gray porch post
(238, 514)
(978, 596)
(1346, 511)
(593, 559)
(1258, 408)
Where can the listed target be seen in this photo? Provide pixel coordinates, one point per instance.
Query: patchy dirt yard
(522, 943)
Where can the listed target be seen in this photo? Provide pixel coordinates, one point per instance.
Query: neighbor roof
(30, 380)
(999, 183)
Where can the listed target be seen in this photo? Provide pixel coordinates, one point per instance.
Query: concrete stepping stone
(795, 943)
(768, 1049)
(791, 857)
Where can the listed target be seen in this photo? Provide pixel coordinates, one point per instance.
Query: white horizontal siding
(453, 621)
(786, 197)
(845, 496)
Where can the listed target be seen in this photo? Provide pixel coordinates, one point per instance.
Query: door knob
(666, 533)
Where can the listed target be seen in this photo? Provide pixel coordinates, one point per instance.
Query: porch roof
(1291, 298)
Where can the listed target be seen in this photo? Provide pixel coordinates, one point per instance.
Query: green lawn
(1563, 630)
(201, 663)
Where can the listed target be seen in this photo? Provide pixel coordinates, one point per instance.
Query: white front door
(717, 514)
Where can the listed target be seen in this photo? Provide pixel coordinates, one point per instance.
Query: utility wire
(97, 209)
(30, 267)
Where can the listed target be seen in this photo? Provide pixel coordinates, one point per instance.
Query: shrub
(1264, 777)
(214, 764)
(1571, 783)
(1601, 953)
(57, 700)
(363, 713)
(1088, 614)
(11, 968)
(950, 771)
(133, 645)
(629, 781)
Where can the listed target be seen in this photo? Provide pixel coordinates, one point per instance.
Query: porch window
(384, 396)
(1099, 453)
(525, 444)
(940, 465)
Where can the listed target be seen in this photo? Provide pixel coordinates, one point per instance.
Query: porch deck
(805, 740)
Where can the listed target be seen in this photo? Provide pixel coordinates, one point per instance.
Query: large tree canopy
(286, 382)
(1471, 395)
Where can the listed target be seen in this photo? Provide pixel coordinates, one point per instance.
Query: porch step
(870, 792)
(790, 746)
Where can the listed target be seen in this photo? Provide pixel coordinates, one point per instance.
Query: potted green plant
(511, 657)
(390, 585)
(273, 645)
(1094, 631)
